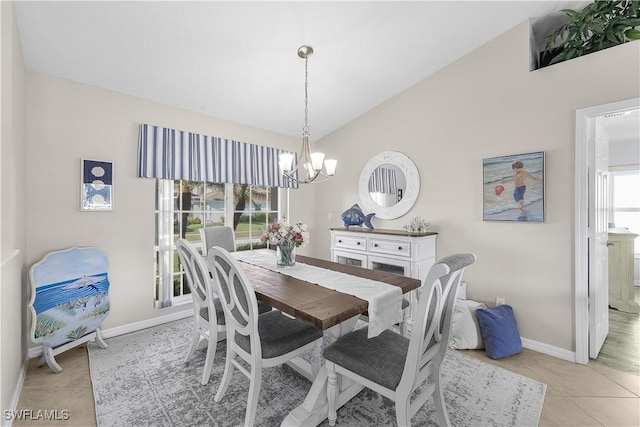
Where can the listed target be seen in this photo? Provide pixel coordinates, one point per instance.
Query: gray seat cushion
(280, 334)
(263, 308)
(204, 313)
(380, 359)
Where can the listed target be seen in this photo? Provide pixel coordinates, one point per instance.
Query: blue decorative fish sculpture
(355, 216)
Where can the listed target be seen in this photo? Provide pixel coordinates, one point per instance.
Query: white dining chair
(209, 323)
(395, 366)
(262, 341)
(217, 236)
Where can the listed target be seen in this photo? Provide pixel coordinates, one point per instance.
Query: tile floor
(577, 395)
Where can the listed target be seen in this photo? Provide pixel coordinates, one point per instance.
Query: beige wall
(12, 207)
(68, 121)
(484, 105)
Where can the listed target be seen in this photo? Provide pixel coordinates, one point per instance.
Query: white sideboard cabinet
(621, 292)
(394, 251)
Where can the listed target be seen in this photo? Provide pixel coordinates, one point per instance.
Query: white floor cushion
(465, 329)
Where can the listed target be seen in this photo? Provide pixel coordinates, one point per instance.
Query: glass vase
(285, 255)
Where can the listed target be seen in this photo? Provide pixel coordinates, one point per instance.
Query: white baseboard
(144, 324)
(34, 352)
(128, 328)
(549, 350)
(15, 398)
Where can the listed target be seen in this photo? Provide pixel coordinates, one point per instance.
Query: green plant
(47, 326)
(599, 25)
(99, 311)
(79, 332)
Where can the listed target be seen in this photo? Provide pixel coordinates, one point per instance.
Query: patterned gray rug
(141, 380)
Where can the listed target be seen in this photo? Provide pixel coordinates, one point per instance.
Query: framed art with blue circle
(97, 185)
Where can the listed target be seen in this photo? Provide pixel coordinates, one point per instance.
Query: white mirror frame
(406, 165)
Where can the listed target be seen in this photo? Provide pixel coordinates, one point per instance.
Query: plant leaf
(632, 34)
(596, 27)
(570, 12)
(558, 58)
(610, 34)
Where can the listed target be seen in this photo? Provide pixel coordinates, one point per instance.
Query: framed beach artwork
(96, 189)
(513, 187)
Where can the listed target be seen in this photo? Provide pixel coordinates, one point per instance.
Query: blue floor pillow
(499, 331)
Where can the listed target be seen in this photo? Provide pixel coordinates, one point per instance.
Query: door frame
(585, 128)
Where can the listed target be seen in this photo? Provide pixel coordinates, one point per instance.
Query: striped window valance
(176, 154)
(383, 180)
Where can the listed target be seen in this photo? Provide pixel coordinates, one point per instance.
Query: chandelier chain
(305, 129)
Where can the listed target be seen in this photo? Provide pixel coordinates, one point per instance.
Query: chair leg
(332, 392)
(403, 418)
(255, 383)
(208, 362)
(438, 400)
(228, 373)
(195, 340)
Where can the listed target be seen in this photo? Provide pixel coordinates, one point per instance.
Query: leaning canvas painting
(513, 187)
(69, 300)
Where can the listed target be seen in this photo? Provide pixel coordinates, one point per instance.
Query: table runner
(385, 300)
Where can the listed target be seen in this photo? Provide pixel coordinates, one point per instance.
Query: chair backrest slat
(217, 236)
(425, 321)
(432, 321)
(450, 286)
(237, 296)
(197, 272)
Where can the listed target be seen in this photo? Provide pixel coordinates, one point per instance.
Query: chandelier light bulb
(316, 161)
(330, 166)
(286, 162)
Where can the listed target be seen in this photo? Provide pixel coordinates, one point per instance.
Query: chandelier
(309, 164)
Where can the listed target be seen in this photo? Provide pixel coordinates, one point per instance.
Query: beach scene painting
(69, 295)
(513, 187)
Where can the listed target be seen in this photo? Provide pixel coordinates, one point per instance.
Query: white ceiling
(238, 60)
(623, 126)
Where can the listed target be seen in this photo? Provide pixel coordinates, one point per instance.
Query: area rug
(141, 380)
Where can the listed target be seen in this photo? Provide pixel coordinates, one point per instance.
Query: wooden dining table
(324, 308)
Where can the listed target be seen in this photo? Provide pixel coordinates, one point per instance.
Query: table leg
(315, 408)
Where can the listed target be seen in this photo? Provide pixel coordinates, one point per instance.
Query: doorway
(588, 296)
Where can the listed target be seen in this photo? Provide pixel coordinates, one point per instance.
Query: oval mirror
(389, 185)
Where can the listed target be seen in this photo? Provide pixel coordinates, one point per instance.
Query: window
(625, 195)
(184, 207)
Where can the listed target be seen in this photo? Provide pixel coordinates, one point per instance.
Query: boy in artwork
(519, 180)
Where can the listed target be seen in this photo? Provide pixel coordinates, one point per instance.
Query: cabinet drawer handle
(375, 245)
(339, 241)
(399, 248)
(358, 243)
